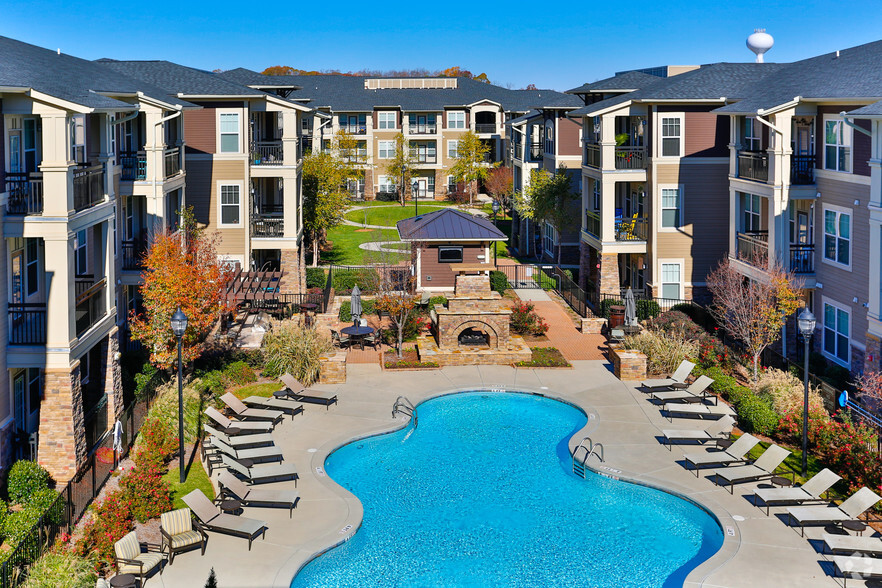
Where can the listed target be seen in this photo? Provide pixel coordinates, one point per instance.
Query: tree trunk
(315, 252)
(756, 357)
(401, 338)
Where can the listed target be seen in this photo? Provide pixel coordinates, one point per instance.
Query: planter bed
(409, 361)
(545, 357)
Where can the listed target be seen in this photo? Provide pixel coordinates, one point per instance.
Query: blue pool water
(481, 494)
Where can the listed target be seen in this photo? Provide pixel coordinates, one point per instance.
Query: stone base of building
(628, 364)
(333, 368)
(294, 274)
(516, 350)
(62, 425)
(872, 359)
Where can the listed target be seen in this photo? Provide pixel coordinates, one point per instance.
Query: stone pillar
(609, 273)
(872, 358)
(290, 264)
(440, 184)
(113, 376)
(62, 423)
(584, 264)
(369, 192)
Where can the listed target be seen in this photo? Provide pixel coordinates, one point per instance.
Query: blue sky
(549, 44)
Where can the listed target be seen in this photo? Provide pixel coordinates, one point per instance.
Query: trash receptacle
(616, 316)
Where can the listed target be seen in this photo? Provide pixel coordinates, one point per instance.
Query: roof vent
(760, 42)
(59, 51)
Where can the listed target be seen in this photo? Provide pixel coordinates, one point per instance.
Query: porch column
(62, 423)
(113, 377)
(610, 282)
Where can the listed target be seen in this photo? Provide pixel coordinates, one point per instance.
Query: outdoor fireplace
(472, 336)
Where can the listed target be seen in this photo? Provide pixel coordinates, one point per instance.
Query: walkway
(562, 334)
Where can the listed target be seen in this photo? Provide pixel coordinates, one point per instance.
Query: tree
(394, 298)
(753, 311)
(470, 164)
(531, 87)
(326, 173)
(549, 197)
(186, 275)
(499, 185)
(212, 580)
(458, 72)
(402, 165)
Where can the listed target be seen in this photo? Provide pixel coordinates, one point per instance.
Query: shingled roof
(624, 82)
(448, 224)
(180, 79)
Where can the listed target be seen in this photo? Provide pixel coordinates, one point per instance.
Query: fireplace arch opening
(473, 336)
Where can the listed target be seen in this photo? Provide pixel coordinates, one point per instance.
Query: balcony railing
(635, 228)
(592, 155)
(630, 158)
(592, 223)
(802, 170)
(305, 145)
(424, 158)
(802, 258)
(485, 128)
(753, 247)
(358, 129)
(90, 307)
(753, 165)
(133, 255)
(536, 151)
(266, 153)
(267, 227)
(360, 156)
(425, 129)
(88, 187)
(27, 324)
(25, 193)
(134, 165)
(172, 160)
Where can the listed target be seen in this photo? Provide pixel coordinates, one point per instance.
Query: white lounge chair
(864, 568)
(716, 431)
(763, 468)
(850, 510)
(244, 427)
(850, 544)
(244, 412)
(677, 379)
(734, 454)
(711, 411)
(812, 491)
(694, 392)
(231, 485)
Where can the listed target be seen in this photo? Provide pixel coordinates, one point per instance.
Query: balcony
(753, 247)
(536, 151)
(88, 187)
(592, 223)
(90, 306)
(134, 165)
(592, 155)
(753, 165)
(266, 153)
(356, 129)
(172, 165)
(630, 157)
(422, 129)
(27, 324)
(802, 258)
(423, 157)
(133, 255)
(802, 170)
(635, 228)
(485, 129)
(267, 227)
(25, 193)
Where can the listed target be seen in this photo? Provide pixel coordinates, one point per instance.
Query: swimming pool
(481, 493)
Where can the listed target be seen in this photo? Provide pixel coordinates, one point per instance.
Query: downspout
(844, 116)
(155, 165)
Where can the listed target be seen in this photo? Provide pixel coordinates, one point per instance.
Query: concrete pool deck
(758, 551)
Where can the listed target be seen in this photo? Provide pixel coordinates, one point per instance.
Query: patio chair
(240, 441)
(864, 568)
(677, 379)
(244, 412)
(256, 454)
(734, 454)
(812, 491)
(850, 510)
(298, 392)
(695, 392)
(616, 336)
(214, 520)
(259, 474)
(850, 544)
(762, 469)
(180, 533)
(245, 427)
(339, 341)
(130, 559)
(711, 411)
(717, 430)
(232, 486)
(373, 339)
(284, 404)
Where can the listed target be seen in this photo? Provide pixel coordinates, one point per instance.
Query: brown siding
(568, 137)
(862, 151)
(202, 178)
(201, 131)
(706, 135)
(443, 274)
(860, 142)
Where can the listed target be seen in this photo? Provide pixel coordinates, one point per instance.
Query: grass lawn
(792, 466)
(373, 203)
(263, 389)
(196, 478)
(387, 216)
(344, 246)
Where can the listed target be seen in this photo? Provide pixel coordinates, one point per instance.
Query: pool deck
(758, 551)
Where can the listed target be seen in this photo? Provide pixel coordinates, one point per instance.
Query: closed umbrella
(118, 438)
(355, 305)
(630, 309)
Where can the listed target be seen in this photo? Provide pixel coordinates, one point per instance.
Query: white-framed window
(81, 249)
(751, 134)
(549, 234)
(671, 207)
(456, 119)
(78, 138)
(385, 149)
(837, 144)
(452, 149)
(422, 123)
(596, 195)
(230, 205)
(549, 137)
(228, 124)
(752, 212)
(451, 184)
(386, 184)
(837, 235)
(32, 271)
(430, 184)
(671, 283)
(387, 119)
(837, 321)
(34, 389)
(671, 136)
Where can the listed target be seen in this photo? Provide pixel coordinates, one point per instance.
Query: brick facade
(609, 281)
(62, 423)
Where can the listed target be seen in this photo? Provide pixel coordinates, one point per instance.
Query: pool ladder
(591, 448)
(404, 406)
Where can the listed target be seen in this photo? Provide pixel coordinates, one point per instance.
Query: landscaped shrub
(837, 375)
(603, 309)
(677, 324)
(525, 320)
(755, 415)
(213, 382)
(786, 392)
(147, 494)
(345, 280)
(647, 309)
(26, 478)
(545, 357)
(292, 348)
(387, 196)
(713, 352)
(157, 440)
(111, 520)
(146, 381)
(415, 324)
(345, 313)
(239, 373)
(18, 524)
(498, 281)
(663, 351)
(61, 568)
(46, 503)
(436, 301)
(315, 277)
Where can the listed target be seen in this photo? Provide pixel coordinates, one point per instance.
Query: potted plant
(255, 157)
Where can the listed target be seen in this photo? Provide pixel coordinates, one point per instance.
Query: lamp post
(179, 326)
(416, 204)
(495, 210)
(806, 322)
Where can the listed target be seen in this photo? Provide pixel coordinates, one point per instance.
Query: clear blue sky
(553, 45)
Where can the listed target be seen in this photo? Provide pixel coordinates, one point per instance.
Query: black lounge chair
(300, 393)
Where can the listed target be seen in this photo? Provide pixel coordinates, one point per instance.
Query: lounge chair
(240, 441)
(244, 427)
(233, 486)
(811, 491)
(850, 510)
(298, 392)
(734, 454)
(762, 469)
(261, 473)
(864, 568)
(677, 379)
(286, 405)
(716, 431)
(216, 521)
(695, 392)
(849, 544)
(131, 560)
(180, 532)
(250, 414)
(257, 454)
(712, 411)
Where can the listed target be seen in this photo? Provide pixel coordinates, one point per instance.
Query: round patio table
(232, 431)
(123, 581)
(856, 526)
(280, 393)
(230, 506)
(358, 333)
(781, 481)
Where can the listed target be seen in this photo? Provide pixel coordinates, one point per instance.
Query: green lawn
(792, 466)
(388, 216)
(196, 478)
(345, 241)
(264, 390)
(409, 203)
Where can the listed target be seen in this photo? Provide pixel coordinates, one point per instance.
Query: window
(449, 254)
(549, 235)
(385, 149)
(836, 333)
(386, 120)
(452, 149)
(837, 236)
(456, 119)
(78, 138)
(451, 184)
(596, 195)
(230, 205)
(423, 152)
(751, 136)
(229, 132)
(549, 137)
(422, 123)
(670, 207)
(837, 145)
(33, 266)
(386, 184)
(671, 137)
(670, 281)
(354, 124)
(34, 389)
(430, 184)
(752, 213)
(82, 253)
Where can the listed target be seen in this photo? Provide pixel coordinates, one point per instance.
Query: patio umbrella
(630, 309)
(117, 438)
(355, 303)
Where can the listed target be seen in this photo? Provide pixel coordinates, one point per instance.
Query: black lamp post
(179, 326)
(495, 210)
(806, 322)
(414, 189)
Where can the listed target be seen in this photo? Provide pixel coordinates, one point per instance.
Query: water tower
(760, 42)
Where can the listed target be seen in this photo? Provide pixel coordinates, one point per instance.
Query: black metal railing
(635, 228)
(648, 306)
(25, 193)
(95, 420)
(536, 151)
(90, 307)
(88, 187)
(592, 223)
(267, 227)
(266, 153)
(802, 170)
(134, 165)
(753, 247)
(753, 165)
(802, 258)
(485, 128)
(27, 323)
(133, 255)
(172, 161)
(592, 155)
(630, 158)
(547, 277)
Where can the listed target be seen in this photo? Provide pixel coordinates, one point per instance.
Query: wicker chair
(180, 532)
(130, 559)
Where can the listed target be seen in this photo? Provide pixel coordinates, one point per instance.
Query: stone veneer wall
(113, 377)
(333, 368)
(477, 286)
(628, 365)
(62, 423)
(872, 360)
(291, 282)
(609, 273)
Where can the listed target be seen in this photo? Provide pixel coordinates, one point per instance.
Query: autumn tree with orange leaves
(188, 276)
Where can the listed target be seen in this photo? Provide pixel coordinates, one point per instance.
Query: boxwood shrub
(755, 415)
(25, 479)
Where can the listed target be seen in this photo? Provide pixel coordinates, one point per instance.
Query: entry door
(422, 186)
(802, 228)
(18, 387)
(803, 141)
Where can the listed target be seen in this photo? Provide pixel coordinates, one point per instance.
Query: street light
(495, 210)
(413, 190)
(179, 326)
(806, 322)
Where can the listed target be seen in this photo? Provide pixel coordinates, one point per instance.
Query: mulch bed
(409, 360)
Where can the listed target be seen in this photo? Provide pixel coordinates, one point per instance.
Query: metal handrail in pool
(590, 449)
(404, 406)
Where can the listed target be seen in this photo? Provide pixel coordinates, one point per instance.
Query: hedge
(315, 277)
(345, 314)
